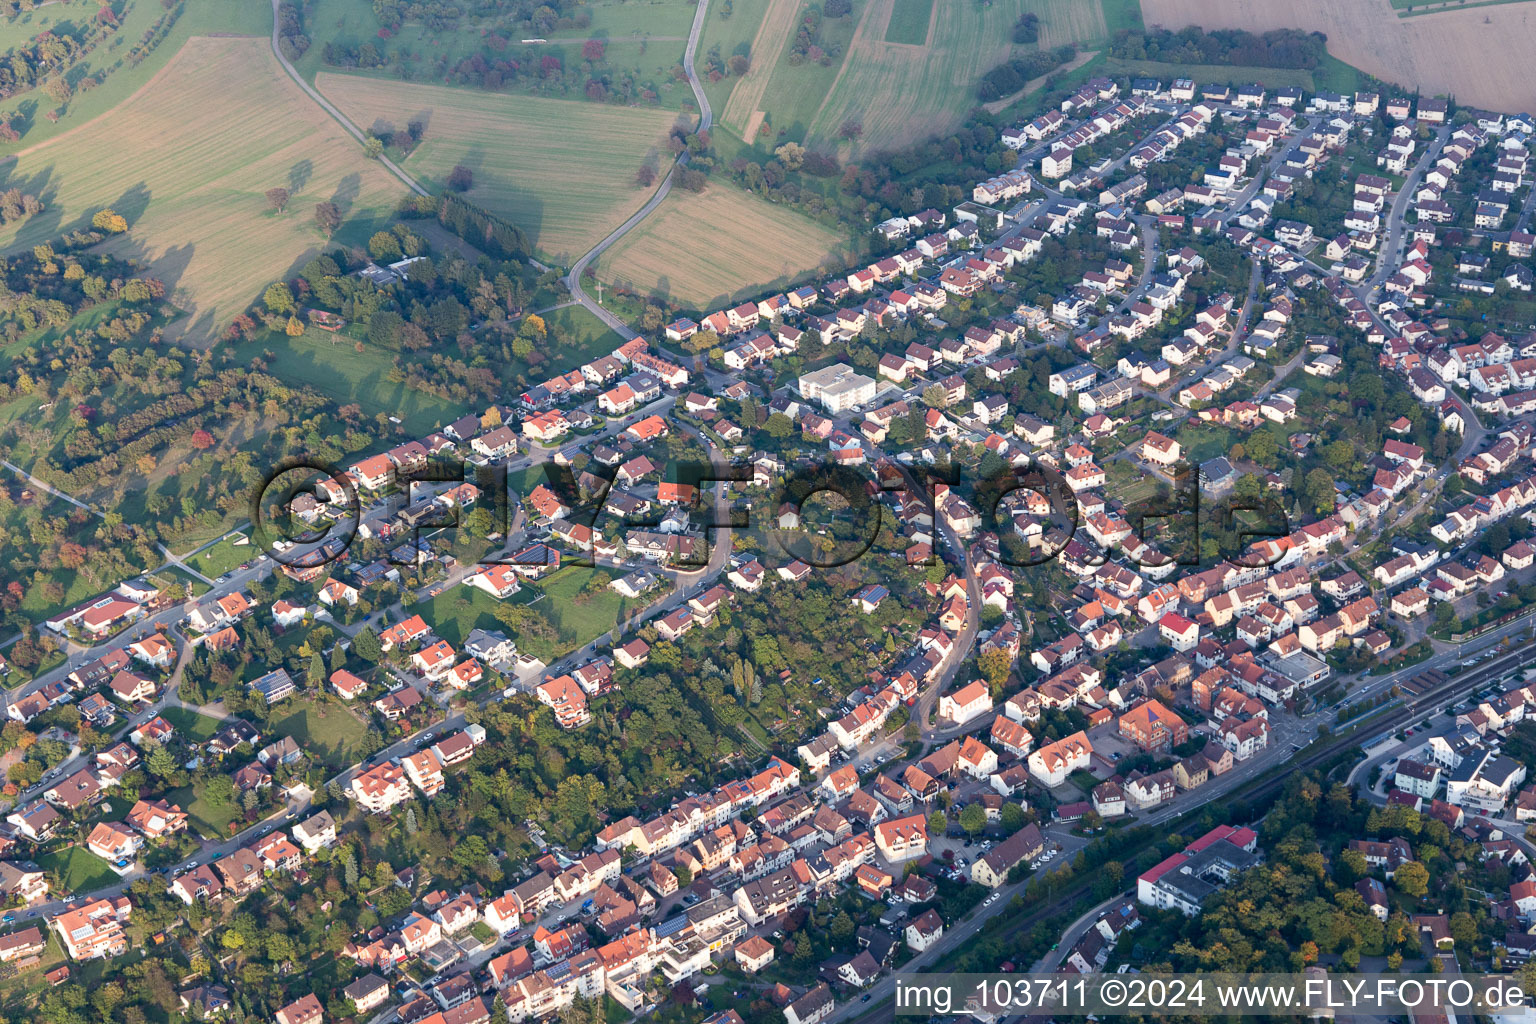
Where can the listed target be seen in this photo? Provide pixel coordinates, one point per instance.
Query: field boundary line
(757, 87)
(858, 35)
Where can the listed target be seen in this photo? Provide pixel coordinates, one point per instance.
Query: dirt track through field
(768, 45)
(1480, 55)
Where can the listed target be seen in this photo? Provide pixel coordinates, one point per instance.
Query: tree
(1411, 879)
(935, 396)
(995, 664)
(109, 221)
(645, 177)
(278, 298)
(327, 218)
(294, 327)
(791, 155)
(461, 178)
(1012, 817)
(973, 819)
(384, 246)
(367, 646)
(202, 440)
(937, 823)
(277, 198)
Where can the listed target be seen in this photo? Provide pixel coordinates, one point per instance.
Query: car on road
(222, 579)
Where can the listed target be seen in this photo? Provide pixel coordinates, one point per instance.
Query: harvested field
(562, 170)
(1481, 55)
(744, 109)
(188, 159)
(702, 249)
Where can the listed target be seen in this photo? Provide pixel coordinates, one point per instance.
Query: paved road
(706, 119)
(342, 119)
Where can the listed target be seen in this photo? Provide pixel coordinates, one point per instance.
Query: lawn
(702, 249)
(572, 619)
(211, 820)
(192, 154)
(223, 556)
(173, 574)
(460, 610)
(909, 22)
(562, 170)
(327, 732)
(1204, 442)
(578, 619)
(336, 369)
(191, 726)
(78, 869)
(578, 336)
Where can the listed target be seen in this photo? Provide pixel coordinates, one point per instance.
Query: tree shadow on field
(347, 191)
(299, 175)
(132, 203)
(25, 116)
(49, 223)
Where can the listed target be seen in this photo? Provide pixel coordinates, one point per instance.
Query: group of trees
(1012, 75)
(1280, 48)
(291, 38)
(807, 42)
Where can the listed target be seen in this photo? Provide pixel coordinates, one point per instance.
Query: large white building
(838, 387)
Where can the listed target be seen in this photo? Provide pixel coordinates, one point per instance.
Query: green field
(191, 726)
(897, 94)
(334, 367)
(562, 170)
(326, 731)
(28, 25)
(78, 869)
(193, 153)
(1122, 15)
(909, 22)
